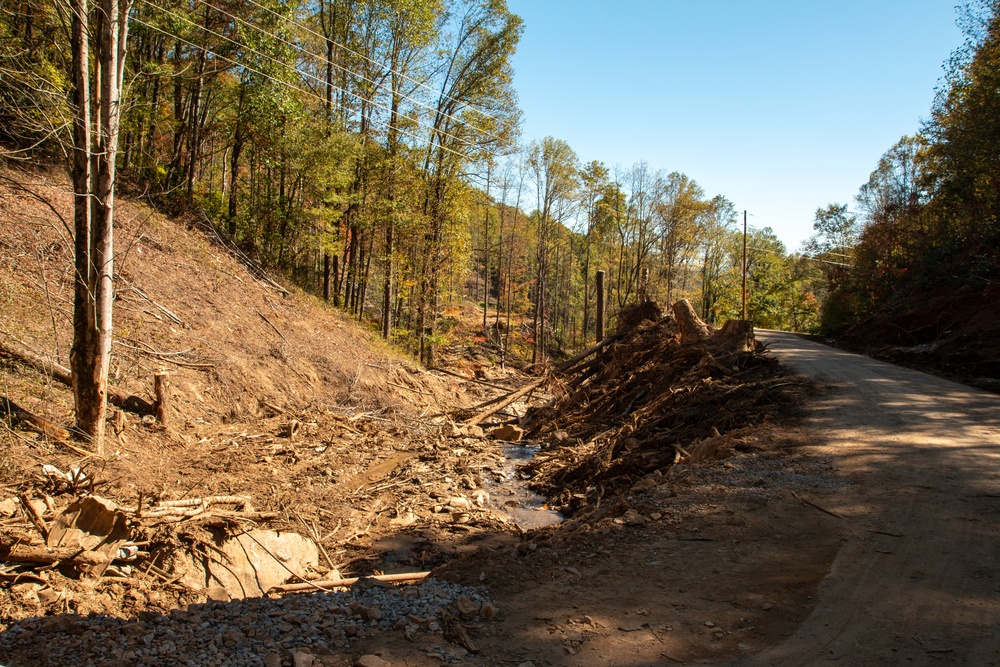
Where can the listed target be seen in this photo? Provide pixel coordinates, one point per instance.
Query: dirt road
(917, 579)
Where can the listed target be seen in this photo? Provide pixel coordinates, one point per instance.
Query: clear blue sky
(783, 106)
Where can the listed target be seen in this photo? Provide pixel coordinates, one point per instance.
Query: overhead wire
(347, 70)
(302, 73)
(304, 91)
(813, 258)
(372, 60)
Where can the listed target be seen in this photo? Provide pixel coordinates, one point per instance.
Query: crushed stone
(249, 632)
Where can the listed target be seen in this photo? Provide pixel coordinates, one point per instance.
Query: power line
(304, 91)
(371, 60)
(284, 64)
(326, 60)
(815, 259)
(836, 254)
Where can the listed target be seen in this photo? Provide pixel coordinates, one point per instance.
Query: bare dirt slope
(945, 331)
(232, 338)
(917, 580)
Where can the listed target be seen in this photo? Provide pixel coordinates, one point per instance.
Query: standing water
(512, 497)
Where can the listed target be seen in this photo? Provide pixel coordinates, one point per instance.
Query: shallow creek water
(511, 496)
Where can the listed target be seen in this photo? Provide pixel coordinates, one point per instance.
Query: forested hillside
(368, 150)
(921, 258)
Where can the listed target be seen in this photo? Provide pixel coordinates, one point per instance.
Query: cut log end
(736, 336)
(693, 329)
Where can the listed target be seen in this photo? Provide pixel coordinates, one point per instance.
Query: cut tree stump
(736, 335)
(161, 385)
(693, 329)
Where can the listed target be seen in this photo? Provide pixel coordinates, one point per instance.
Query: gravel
(253, 631)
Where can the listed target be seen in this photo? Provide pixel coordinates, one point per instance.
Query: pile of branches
(657, 394)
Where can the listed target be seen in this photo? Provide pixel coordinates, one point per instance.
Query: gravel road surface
(917, 579)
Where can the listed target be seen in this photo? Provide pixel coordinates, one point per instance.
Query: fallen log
(23, 553)
(29, 420)
(468, 379)
(34, 515)
(510, 398)
(17, 351)
(569, 363)
(350, 581)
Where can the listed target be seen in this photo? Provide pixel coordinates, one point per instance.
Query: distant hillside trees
(368, 151)
(931, 208)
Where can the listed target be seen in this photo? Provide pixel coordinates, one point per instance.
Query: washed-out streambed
(511, 496)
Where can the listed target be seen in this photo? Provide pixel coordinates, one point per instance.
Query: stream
(510, 495)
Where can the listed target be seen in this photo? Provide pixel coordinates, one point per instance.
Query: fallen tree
(13, 349)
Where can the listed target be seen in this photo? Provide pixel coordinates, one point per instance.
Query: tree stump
(160, 388)
(693, 329)
(736, 336)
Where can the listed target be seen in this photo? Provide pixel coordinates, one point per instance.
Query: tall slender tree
(97, 82)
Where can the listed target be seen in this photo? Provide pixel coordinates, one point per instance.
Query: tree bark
(387, 284)
(692, 328)
(94, 190)
(161, 385)
(326, 276)
(234, 163)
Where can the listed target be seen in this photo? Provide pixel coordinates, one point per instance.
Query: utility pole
(600, 305)
(744, 290)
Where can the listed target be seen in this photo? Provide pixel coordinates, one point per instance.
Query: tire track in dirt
(917, 579)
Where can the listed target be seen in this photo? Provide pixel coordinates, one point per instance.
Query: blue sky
(782, 106)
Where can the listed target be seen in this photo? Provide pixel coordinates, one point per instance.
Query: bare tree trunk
(234, 167)
(94, 209)
(336, 280)
(326, 276)
(486, 246)
(600, 307)
(363, 289)
(80, 359)
(195, 134)
(387, 284)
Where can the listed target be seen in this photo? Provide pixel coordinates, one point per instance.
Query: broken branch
(350, 581)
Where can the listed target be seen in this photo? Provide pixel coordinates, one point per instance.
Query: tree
(95, 150)
(964, 135)
(893, 202)
(718, 227)
(554, 169)
(594, 182)
(475, 78)
(836, 231)
(681, 211)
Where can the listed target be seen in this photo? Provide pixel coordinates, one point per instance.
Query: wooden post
(743, 291)
(160, 386)
(600, 306)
